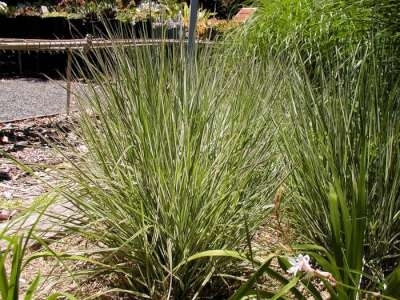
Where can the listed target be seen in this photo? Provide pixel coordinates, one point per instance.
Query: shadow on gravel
(19, 135)
(32, 64)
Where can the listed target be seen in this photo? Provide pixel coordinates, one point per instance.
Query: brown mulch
(27, 161)
(26, 158)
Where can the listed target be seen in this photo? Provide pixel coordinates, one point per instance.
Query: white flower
(150, 6)
(3, 6)
(300, 263)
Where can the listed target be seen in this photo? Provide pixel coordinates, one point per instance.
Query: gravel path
(23, 98)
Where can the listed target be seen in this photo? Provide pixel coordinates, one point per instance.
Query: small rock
(44, 10)
(4, 216)
(23, 283)
(7, 195)
(82, 148)
(21, 144)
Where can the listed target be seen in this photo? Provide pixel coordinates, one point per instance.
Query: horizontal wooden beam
(79, 44)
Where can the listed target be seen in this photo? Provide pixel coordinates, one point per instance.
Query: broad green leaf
(3, 274)
(242, 291)
(32, 288)
(393, 284)
(285, 289)
(217, 253)
(283, 280)
(17, 257)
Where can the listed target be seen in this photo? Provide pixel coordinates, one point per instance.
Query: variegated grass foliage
(178, 156)
(343, 144)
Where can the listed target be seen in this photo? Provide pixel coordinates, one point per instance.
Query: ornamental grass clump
(343, 145)
(177, 157)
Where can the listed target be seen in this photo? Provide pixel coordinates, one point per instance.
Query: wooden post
(19, 62)
(194, 5)
(37, 62)
(68, 75)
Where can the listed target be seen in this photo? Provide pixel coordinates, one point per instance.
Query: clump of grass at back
(321, 31)
(180, 152)
(342, 143)
(313, 27)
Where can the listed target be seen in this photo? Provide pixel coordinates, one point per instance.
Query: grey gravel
(23, 98)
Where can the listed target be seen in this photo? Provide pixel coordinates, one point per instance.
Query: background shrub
(322, 31)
